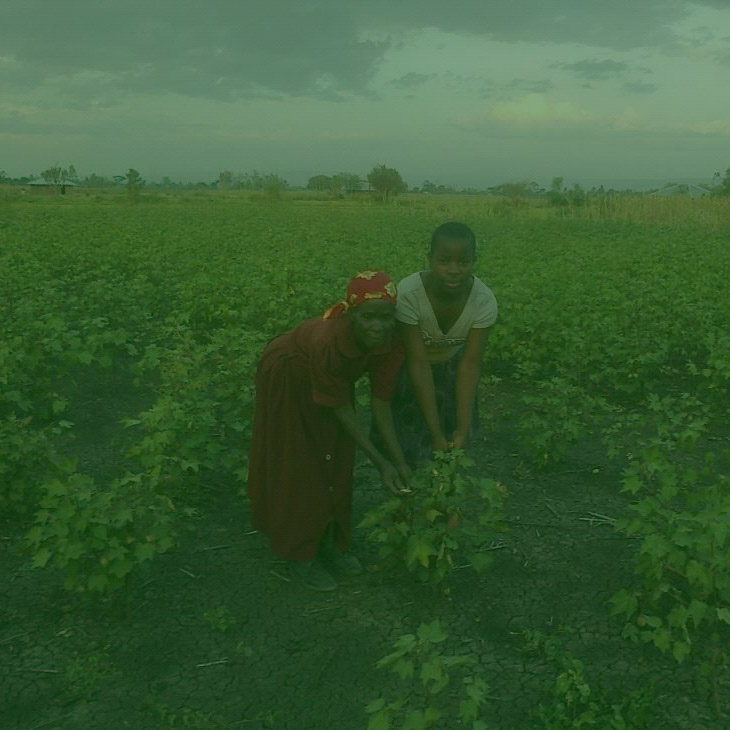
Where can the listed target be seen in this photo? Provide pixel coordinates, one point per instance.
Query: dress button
(328, 457)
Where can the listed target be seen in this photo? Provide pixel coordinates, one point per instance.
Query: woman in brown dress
(305, 429)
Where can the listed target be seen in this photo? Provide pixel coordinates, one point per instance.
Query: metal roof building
(40, 182)
(691, 191)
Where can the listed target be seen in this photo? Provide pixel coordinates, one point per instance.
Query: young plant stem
(714, 679)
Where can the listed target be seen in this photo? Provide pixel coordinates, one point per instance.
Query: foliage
(723, 183)
(387, 181)
(33, 421)
(448, 514)
(320, 183)
(682, 518)
(98, 537)
(335, 184)
(54, 174)
(134, 183)
(187, 718)
(86, 671)
(274, 186)
(555, 418)
(183, 297)
(425, 672)
(219, 619)
(574, 704)
(270, 183)
(197, 425)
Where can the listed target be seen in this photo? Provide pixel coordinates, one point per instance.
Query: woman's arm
(383, 418)
(346, 416)
(467, 379)
(421, 376)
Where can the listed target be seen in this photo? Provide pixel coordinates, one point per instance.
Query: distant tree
(134, 183)
(431, 187)
(351, 181)
(723, 183)
(512, 190)
(555, 195)
(225, 180)
(273, 186)
(3, 177)
(557, 184)
(97, 181)
(386, 181)
(54, 175)
(337, 185)
(577, 195)
(250, 180)
(72, 175)
(320, 183)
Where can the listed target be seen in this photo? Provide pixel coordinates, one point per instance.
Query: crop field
(133, 591)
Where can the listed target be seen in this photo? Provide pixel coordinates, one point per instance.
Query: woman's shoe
(312, 575)
(343, 563)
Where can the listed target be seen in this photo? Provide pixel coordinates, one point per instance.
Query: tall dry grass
(640, 208)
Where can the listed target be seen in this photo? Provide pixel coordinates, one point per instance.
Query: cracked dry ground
(215, 637)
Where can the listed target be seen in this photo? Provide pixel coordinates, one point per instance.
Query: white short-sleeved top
(414, 307)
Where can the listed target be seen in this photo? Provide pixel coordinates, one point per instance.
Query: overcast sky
(468, 92)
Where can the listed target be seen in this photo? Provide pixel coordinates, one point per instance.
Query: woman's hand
(405, 473)
(440, 443)
(458, 440)
(392, 480)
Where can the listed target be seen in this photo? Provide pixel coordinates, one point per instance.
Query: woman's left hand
(405, 474)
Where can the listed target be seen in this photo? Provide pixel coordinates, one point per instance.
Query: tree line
(385, 182)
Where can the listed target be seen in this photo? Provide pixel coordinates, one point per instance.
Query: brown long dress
(301, 461)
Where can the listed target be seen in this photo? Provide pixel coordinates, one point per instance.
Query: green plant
(188, 718)
(424, 672)
(574, 704)
(448, 513)
(97, 537)
(554, 419)
(682, 518)
(220, 619)
(84, 672)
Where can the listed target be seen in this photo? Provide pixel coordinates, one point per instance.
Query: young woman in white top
(444, 315)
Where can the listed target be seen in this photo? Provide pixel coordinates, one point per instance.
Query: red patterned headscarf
(363, 287)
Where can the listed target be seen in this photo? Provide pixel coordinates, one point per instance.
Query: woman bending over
(444, 314)
(305, 429)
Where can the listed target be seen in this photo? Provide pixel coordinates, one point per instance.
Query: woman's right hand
(392, 480)
(440, 443)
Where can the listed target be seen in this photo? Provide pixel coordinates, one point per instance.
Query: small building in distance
(687, 189)
(42, 184)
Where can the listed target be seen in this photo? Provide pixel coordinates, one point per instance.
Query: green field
(133, 592)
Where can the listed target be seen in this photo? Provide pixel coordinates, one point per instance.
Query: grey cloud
(188, 48)
(226, 49)
(411, 79)
(593, 70)
(619, 24)
(639, 87)
(536, 86)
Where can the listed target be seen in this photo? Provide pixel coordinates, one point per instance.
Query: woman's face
(452, 266)
(372, 323)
